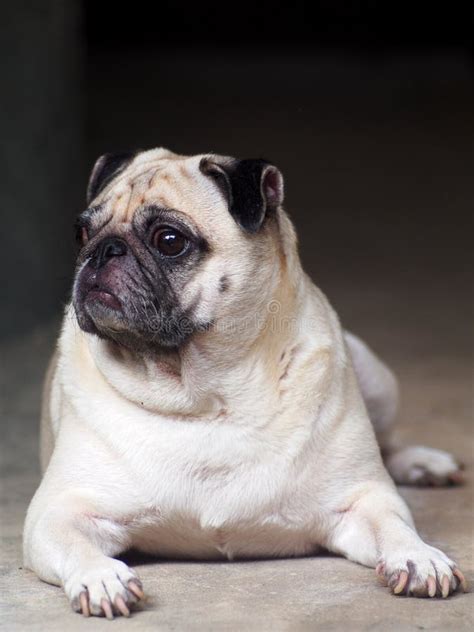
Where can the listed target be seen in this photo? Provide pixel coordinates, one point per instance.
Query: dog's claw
(121, 606)
(445, 586)
(380, 572)
(462, 580)
(107, 608)
(402, 582)
(84, 602)
(431, 584)
(135, 588)
(456, 478)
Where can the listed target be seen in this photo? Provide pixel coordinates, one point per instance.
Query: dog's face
(170, 244)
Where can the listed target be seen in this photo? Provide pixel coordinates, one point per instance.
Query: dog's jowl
(204, 402)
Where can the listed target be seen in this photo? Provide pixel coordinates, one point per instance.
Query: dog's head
(170, 244)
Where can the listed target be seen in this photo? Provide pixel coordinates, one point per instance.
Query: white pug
(203, 401)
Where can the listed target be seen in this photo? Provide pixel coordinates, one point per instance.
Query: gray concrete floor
(379, 185)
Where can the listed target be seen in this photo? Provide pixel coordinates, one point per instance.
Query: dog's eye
(170, 242)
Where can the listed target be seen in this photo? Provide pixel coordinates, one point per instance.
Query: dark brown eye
(170, 242)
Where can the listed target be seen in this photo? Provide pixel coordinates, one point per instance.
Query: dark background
(367, 108)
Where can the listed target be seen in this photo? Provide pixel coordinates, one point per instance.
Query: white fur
(262, 446)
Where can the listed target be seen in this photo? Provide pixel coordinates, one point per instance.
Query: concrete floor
(385, 234)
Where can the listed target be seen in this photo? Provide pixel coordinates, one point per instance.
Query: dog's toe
(425, 572)
(419, 465)
(104, 590)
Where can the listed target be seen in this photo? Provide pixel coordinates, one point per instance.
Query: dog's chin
(102, 311)
(101, 314)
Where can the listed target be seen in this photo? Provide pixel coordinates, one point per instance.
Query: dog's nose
(107, 249)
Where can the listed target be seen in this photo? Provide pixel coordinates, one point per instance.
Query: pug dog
(204, 402)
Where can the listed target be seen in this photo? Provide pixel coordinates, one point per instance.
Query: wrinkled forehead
(165, 180)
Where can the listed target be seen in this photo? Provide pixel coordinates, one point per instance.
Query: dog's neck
(214, 368)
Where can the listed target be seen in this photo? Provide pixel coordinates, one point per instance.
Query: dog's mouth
(102, 295)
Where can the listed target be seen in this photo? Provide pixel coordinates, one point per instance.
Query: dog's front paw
(105, 588)
(425, 572)
(418, 465)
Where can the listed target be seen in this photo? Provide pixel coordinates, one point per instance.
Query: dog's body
(248, 434)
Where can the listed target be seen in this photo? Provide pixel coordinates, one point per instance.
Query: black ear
(105, 169)
(252, 188)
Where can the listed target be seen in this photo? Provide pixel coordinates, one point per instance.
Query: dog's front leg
(375, 528)
(68, 542)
